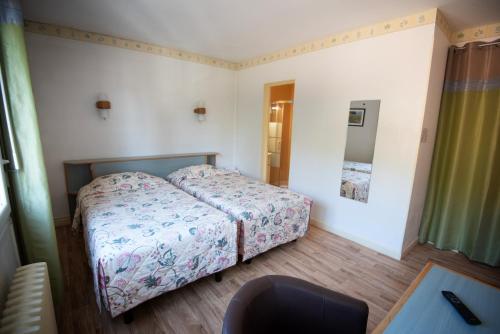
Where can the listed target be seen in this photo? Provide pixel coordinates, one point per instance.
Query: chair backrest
(273, 304)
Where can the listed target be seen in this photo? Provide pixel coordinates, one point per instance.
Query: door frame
(265, 121)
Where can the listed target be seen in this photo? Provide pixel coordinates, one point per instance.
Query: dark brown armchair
(281, 304)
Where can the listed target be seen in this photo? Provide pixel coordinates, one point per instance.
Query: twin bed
(145, 235)
(356, 180)
(268, 216)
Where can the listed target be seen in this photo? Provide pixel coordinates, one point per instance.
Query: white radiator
(29, 306)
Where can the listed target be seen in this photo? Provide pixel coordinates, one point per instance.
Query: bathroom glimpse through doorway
(278, 116)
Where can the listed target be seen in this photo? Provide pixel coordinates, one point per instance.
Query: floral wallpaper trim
(92, 37)
(374, 30)
(443, 25)
(381, 28)
(476, 33)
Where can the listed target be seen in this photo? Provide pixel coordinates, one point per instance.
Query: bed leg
(247, 261)
(128, 317)
(218, 276)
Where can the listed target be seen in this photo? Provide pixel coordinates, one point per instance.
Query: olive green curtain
(32, 206)
(462, 210)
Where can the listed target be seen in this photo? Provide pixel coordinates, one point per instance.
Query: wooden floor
(321, 258)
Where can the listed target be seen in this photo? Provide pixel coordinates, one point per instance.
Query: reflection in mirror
(360, 145)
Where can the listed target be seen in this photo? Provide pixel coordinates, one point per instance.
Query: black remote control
(468, 316)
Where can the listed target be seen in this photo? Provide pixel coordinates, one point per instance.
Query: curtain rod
(479, 46)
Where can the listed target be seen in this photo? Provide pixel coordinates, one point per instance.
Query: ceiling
(236, 30)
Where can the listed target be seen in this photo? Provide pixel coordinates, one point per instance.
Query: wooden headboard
(80, 172)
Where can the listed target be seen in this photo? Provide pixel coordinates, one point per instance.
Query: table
(423, 309)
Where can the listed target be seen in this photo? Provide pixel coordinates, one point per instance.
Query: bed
(355, 183)
(355, 166)
(144, 237)
(267, 216)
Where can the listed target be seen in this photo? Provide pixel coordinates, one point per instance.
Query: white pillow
(191, 172)
(195, 172)
(223, 171)
(123, 181)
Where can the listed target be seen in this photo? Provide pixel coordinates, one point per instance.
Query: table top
(423, 309)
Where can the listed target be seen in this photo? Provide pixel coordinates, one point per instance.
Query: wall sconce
(103, 106)
(201, 111)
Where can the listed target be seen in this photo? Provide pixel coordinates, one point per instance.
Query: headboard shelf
(81, 172)
(150, 157)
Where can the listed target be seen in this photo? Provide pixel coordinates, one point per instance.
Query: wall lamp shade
(201, 113)
(103, 106)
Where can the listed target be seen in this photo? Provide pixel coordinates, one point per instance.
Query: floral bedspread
(355, 185)
(145, 237)
(269, 216)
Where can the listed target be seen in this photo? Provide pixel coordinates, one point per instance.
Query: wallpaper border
(381, 28)
(124, 43)
(374, 30)
(431, 16)
(476, 33)
(443, 24)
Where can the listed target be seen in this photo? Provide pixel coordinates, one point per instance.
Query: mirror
(360, 145)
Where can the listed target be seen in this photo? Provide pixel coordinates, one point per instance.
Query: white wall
(153, 98)
(152, 105)
(360, 144)
(429, 127)
(393, 68)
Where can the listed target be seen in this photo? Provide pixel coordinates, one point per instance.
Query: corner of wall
(444, 37)
(362, 241)
(443, 25)
(429, 128)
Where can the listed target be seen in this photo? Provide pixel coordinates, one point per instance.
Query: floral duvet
(268, 216)
(145, 237)
(355, 185)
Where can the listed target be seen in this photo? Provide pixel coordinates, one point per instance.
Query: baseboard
(356, 239)
(408, 248)
(62, 221)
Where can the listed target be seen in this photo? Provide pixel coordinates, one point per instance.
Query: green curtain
(32, 206)
(462, 210)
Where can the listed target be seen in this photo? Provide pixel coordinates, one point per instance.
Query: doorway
(278, 112)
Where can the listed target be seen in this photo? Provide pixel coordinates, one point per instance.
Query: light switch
(423, 137)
